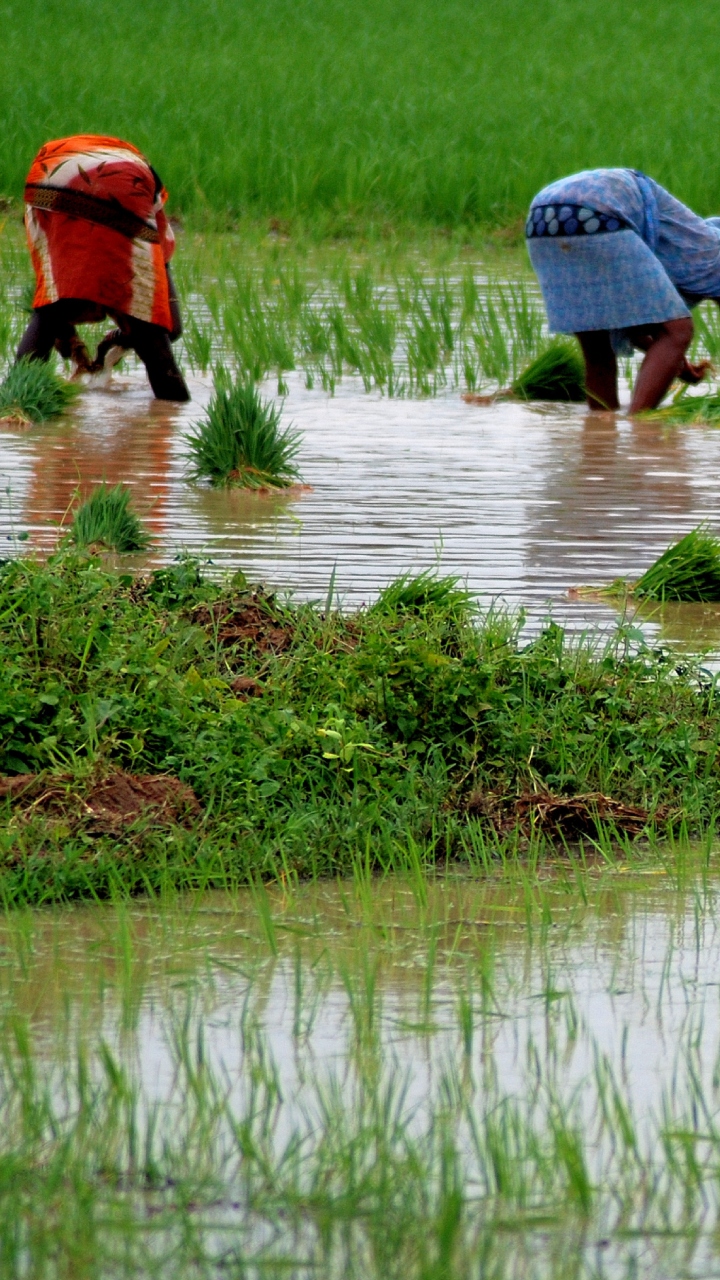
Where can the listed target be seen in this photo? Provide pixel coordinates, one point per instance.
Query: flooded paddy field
(481, 1050)
(522, 502)
(408, 1076)
(369, 359)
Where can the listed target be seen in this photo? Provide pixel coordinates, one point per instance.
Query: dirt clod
(122, 798)
(246, 687)
(107, 805)
(567, 817)
(248, 621)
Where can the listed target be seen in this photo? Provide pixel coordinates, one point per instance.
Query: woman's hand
(694, 373)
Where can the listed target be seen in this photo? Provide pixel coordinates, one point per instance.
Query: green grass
(312, 738)
(105, 519)
(557, 373)
(33, 392)
(688, 570)
(689, 409)
(344, 113)
(240, 442)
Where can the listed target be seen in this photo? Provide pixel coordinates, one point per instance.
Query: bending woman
(620, 263)
(100, 245)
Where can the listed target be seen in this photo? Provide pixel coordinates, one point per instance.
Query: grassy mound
(105, 519)
(305, 739)
(240, 441)
(558, 373)
(33, 392)
(689, 570)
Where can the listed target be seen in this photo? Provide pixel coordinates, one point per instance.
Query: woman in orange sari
(100, 244)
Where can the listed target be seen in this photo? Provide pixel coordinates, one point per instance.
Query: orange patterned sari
(97, 229)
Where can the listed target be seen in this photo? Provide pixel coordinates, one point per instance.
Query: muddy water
(562, 994)
(633, 974)
(523, 502)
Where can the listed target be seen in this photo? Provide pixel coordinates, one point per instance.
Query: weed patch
(307, 736)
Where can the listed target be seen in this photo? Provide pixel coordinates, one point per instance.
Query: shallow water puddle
(517, 1025)
(524, 502)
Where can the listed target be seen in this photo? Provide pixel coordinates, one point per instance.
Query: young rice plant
(105, 520)
(240, 441)
(33, 392)
(558, 373)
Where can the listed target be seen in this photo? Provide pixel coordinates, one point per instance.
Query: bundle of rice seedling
(105, 519)
(689, 409)
(558, 373)
(32, 392)
(426, 590)
(689, 570)
(240, 441)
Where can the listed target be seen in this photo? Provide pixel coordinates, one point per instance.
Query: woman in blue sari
(620, 263)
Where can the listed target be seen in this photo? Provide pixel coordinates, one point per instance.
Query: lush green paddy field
(346, 114)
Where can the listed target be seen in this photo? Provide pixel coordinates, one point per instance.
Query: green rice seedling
(689, 409)
(240, 441)
(198, 343)
(33, 392)
(558, 373)
(426, 590)
(688, 570)
(105, 519)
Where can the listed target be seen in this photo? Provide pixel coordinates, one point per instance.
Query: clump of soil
(108, 805)
(245, 687)
(562, 817)
(248, 621)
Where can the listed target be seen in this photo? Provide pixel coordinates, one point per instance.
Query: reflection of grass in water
(33, 392)
(558, 373)
(105, 519)
(240, 441)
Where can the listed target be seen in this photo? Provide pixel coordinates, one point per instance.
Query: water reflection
(523, 502)
(614, 493)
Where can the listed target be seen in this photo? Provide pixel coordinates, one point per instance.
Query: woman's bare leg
(663, 362)
(600, 369)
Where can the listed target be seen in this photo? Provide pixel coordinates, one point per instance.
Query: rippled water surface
(523, 501)
(469, 995)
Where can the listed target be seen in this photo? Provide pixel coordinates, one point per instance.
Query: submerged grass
(240, 441)
(105, 519)
(33, 392)
(558, 373)
(301, 739)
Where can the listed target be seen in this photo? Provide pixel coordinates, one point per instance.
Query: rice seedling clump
(558, 373)
(689, 410)
(689, 570)
(240, 442)
(105, 519)
(33, 392)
